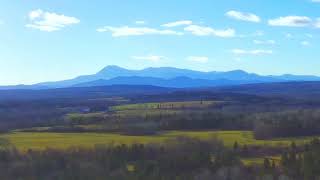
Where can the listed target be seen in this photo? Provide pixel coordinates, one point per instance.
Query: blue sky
(53, 40)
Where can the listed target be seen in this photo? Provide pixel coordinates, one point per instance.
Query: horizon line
(153, 67)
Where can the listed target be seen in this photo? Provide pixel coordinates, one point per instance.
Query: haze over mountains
(165, 77)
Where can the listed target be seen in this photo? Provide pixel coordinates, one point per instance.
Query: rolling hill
(165, 77)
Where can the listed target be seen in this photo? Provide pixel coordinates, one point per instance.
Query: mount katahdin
(165, 77)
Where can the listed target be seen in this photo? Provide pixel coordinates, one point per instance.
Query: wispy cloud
(136, 31)
(47, 21)
(251, 52)
(288, 35)
(309, 35)
(178, 23)
(291, 21)
(305, 43)
(254, 34)
(258, 33)
(243, 16)
(140, 22)
(317, 23)
(152, 58)
(208, 31)
(198, 59)
(264, 42)
(315, 1)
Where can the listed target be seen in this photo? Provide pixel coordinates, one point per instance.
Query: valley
(249, 126)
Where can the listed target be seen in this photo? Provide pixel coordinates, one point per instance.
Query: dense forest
(182, 158)
(139, 115)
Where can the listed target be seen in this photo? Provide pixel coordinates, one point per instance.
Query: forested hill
(82, 92)
(300, 90)
(165, 77)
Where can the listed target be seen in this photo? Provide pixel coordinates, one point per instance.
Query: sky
(55, 40)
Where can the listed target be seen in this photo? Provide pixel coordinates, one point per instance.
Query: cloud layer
(193, 29)
(152, 58)
(177, 23)
(198, 59)
(266, 42)
(242, 16)
(317, 23)
(139, 22)
(305, 43)
(136, 31)
(291, 21)
(208, 31)
(47, 21)
(251, 52)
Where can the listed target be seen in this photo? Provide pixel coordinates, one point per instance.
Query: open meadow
(42, 140)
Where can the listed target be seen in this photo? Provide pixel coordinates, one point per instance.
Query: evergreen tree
(235, 146)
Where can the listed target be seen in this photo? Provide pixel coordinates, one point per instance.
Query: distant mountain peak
(238, 71)
(112, 69)
(168, 77)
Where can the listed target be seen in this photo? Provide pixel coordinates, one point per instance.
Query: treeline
(267, 117)
(46, 112)
(182, 158)
(265, 125)
(275, 124)
(303, 165)
(287, 124)
(23, 112)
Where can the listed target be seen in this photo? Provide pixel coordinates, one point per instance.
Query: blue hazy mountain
(166, 77)
(177, 82)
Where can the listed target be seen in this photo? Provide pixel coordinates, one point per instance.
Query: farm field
(40, 141)
(144, 110)
(157, 108)
(259, 160)
(165, 105)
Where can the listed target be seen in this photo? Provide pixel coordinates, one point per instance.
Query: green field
(165, 108)
(165, 105)
(24, 141)
(260, 160)
(142, 110)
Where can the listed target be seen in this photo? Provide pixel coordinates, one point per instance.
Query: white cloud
(258, 33)
(255, 34)
(309, 35)
(242, 16)
(178, 23)
(291, 21)
(316, 1)
(317, 23)
(289, 35)
(237, 59)
(198, 59)
(266, 42)
(46, 21)
(35, 14)
(152, 58)
(305, 43)
(251, 52)
(140, 22)
(208, 31)
(136, 31)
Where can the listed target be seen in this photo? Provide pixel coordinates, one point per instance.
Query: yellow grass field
(38, 141)
(260, 160)
(165, 105)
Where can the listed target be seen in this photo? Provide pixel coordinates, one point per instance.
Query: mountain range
(165, 77)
